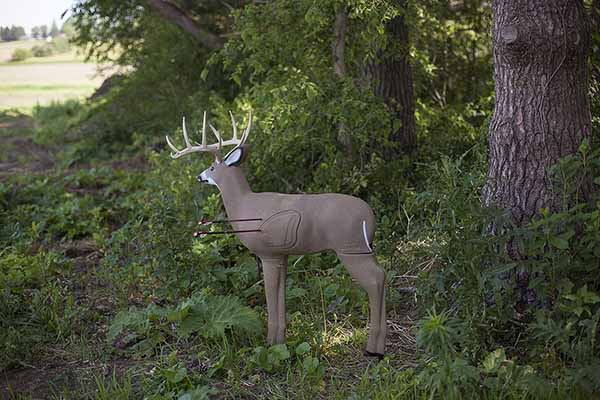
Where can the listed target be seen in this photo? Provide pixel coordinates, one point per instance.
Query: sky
(29, 13)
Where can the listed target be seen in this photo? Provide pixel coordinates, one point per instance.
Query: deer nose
(201, 179)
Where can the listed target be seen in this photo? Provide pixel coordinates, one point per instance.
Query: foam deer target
(274, 226)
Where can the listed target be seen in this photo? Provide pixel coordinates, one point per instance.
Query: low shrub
(43, 50)
(61, 44)
(58, 45)
(20, 55)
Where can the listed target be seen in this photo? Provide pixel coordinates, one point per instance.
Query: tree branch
(175, 14)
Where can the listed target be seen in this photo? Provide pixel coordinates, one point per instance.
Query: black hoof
(369, 354)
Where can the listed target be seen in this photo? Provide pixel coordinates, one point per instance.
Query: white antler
(213, 148)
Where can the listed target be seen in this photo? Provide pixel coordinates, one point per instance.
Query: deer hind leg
(275, 272)
(364, 269)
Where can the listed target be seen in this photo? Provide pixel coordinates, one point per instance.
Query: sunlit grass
(38, 88)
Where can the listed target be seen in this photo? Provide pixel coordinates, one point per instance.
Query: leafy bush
(59, 122)
(20, 54)
(61, 44)
(58, 45)
(43, 50)
(541, 337)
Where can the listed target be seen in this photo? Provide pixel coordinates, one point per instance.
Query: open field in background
(7, 48)
(43, 80)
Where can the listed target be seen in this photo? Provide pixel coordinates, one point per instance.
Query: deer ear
(234, 157)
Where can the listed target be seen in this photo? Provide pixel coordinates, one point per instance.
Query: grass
(39, 81)
(41, 88)
(65, 58)
(7, 48)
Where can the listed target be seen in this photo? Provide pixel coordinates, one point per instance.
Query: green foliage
(213, 316)
(20, 54)
(35, 308)
(385, 381)
(209, 317)
(58, 45)
(549, 346)
(58, 121)
(270, 359)
(114, 389)
(43, 50)
(291, 84)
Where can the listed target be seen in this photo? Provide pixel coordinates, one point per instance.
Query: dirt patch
(18, 153)
(16, 122)
(45, 382)
(21, 155)
(137, 163)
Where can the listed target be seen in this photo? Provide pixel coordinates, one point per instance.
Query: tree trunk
(339, 68)
(542, 110)
(391, 79)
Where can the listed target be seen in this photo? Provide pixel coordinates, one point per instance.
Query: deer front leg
(275, 272)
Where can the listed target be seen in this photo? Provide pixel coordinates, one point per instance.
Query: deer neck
(233, 190)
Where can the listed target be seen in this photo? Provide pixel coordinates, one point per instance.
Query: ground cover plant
(105, 293)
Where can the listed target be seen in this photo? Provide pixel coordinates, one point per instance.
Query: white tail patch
(365, 235)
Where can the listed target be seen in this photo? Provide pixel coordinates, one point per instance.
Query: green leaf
(178, 315)
(174, 375)
(559, 242)
(212, 316)
(295, 293)
(310, 365)
(280, 352)
(494, 360)
(501, 268)
(587, 296)
(302, 348)
(199, 393)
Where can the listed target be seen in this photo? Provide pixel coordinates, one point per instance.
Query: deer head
(222, 165)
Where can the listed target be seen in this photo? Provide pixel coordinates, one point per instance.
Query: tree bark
(542, 110)
(339, 68)
(391, 79)
(173, 13)
(339, 42)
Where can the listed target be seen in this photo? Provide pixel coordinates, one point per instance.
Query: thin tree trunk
(339, 68)
(391, 79)
(339, 42)
(542, 108)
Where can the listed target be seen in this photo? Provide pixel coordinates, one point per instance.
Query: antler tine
(204, 130)
(185, 135)
(233, 124)
(173, 155)
(247, 130)
(217, 134)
